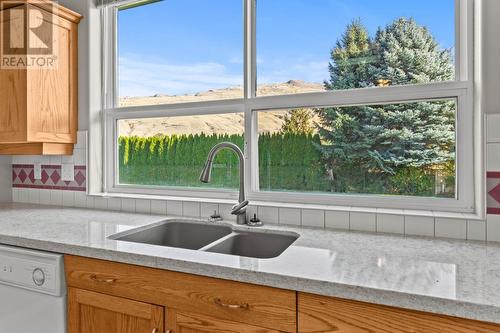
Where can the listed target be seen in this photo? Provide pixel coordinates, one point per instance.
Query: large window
(359, 103)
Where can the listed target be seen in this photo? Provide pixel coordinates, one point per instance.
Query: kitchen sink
(215, 238)
(186, 235)
(254, 244)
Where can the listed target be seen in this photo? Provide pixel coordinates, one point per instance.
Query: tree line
(287, 161)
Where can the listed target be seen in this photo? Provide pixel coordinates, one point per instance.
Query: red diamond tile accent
(79, 178)
(45, 177)
(55, 177)
(31, 176)
(495, 193)
(22, 176)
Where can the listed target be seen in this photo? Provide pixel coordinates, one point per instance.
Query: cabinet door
(184, 322)
(13, 99)
(90, 312)
(52, 99)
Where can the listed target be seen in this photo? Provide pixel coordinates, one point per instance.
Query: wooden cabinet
(39, 87)
(185, 322)
(110, 297)
(319, 314)
(193, 304)
(90, 312)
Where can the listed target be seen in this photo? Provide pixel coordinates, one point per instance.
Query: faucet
(240, 209)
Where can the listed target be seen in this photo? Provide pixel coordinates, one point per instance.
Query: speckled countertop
(447, 277)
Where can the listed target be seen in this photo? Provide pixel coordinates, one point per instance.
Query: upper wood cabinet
(38, 78)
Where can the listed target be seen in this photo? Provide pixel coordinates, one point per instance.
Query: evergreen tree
(345, 141)
(407, 53)
(366, 145)
(350, 59)
(299, 121)
(418, 134)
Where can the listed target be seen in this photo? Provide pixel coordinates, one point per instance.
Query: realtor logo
(27, 34)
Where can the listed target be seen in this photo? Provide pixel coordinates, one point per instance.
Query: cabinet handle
(219, 302)
(169, 331)
(95, 278)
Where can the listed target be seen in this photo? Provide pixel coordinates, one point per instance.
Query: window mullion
(363, 96)
(249, 49)
(174, 112)
(251, 135)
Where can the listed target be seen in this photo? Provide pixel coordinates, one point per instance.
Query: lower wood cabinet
(185, 322)
(110, 297)
(319, 314)
(90, 312)
(120, 295)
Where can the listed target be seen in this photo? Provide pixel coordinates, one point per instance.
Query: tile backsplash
(23, 176)
(493, 190)
(51, 190)
(492, 177)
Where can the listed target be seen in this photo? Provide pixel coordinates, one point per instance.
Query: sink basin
(186, 235)
(254, 244)
(215, 238)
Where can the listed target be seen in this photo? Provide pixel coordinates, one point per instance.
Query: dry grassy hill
(225, 123)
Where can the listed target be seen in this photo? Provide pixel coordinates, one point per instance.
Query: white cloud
(146, 77)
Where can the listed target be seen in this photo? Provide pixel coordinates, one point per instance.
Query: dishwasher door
(24, 310)
(32, 291)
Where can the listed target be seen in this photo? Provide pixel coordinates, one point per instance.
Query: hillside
(225, 123)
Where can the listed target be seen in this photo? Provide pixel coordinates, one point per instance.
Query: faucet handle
(239, 208)
(255, 221)
(215, 217)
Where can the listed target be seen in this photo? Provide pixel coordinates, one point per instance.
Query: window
(391, 149)
(343, 103)
(171, 151)
(179, 51)
(366, 41)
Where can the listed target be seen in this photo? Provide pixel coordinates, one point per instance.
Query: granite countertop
(448, 277)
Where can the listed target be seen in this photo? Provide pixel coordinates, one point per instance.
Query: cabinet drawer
(319, 314)
(246, 303)
(195, 323)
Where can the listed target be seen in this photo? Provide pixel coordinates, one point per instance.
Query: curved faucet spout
(207, 172)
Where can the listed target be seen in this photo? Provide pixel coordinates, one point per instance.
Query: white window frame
(462, 90)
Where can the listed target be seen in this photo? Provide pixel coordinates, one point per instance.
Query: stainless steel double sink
(217, 238)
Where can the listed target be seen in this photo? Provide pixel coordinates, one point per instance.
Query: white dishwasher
(32, 291)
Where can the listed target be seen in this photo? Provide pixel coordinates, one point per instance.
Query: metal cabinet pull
(95, 278)
(169, 331)
(219, 302)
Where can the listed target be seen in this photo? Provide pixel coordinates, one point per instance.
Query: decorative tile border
(493, 190)
(23, 176)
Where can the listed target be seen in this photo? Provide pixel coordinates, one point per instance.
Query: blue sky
(188, 46)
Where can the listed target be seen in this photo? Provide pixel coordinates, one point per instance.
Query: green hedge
(287, 162)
